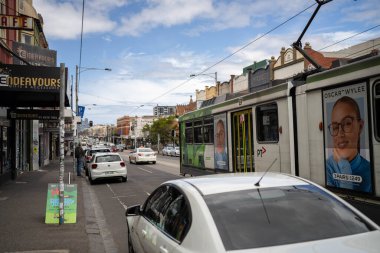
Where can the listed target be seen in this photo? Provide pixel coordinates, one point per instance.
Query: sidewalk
(22, 215)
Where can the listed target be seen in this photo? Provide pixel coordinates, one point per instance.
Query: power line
(369, 29)
(232, 54)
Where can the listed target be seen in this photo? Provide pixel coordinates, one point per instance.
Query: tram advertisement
(220, 137)
(346, 135)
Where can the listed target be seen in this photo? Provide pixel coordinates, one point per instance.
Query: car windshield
(108, 158)
(282, 215)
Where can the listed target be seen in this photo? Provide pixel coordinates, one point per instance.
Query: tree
(164, 127)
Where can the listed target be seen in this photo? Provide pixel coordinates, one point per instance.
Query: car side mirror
(133, 210)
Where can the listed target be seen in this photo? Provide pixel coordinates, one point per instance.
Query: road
(113, 196)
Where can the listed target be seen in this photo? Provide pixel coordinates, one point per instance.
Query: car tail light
(94, 166)
(122, 164)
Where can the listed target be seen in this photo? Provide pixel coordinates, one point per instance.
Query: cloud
(164, 13)
(62, 20)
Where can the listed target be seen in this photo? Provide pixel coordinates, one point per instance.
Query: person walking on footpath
(79, 154)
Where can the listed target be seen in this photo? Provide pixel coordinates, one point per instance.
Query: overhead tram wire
(150, 103)
(369, 29)
(232, 54)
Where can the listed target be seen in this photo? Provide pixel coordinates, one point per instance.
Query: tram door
(242, 141)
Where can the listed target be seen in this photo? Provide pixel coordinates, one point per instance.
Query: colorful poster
(220, 139)
(347, 154)
(70, 204)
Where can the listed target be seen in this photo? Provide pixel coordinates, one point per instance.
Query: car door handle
(163, 250)
(143, 232)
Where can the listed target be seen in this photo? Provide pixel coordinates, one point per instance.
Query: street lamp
(210, 75)
(79, 70)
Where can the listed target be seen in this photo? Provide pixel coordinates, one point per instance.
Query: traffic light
(173, 133)
(90, 123)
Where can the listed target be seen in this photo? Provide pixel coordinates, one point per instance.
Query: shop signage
(36, 56)
(25, 77)
(34, 114)
(16, 22)
(70, 204)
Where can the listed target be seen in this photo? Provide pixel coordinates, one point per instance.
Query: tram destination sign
(33, 114)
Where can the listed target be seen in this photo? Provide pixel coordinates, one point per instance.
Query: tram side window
(208, 130)
(198, 138)
(267, 123)
(189, 132)
(377, 110)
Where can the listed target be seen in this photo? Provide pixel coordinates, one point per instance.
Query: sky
(153, 46)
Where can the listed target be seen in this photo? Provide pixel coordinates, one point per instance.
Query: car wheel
(130, 246)
(130, 160)
(154, 162)
(124, 179)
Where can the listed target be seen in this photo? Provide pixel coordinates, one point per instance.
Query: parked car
(90, 152)
(175, 152)
(107, 165)
(141, 155)
(244, 213)
(166, 150)
(120, 147)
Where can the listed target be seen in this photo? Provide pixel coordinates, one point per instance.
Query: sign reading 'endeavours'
(30, 77)
(34, 114)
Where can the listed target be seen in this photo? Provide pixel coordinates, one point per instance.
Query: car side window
(166, 208)
(176, 220)
(151, 208)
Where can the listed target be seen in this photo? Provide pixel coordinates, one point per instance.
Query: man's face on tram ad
(220, 135)
(345, 128)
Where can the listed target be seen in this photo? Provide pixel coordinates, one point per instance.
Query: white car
(107, 165)
(175, 152)
(142, 155)
(244, 213)
(166, 150)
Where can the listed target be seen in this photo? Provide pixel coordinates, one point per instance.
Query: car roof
(105, 153)
(99, 148)
(228, 182)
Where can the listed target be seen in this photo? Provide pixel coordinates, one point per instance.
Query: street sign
(81, 111)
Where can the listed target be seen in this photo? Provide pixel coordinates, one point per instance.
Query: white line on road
(145, 170)
(117, 197)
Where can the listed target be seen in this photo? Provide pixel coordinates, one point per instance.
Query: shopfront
(30, 97)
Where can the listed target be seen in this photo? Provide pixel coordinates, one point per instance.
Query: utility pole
(62, 144)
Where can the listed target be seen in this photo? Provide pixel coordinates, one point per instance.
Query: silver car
(175, 152)
(166, 150)
(142, 155)
(244, 213)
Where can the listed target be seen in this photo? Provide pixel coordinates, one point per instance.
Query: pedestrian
(79, 155)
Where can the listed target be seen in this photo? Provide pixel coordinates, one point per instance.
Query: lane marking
(145, 170)
(124, 196)
(117, 197)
